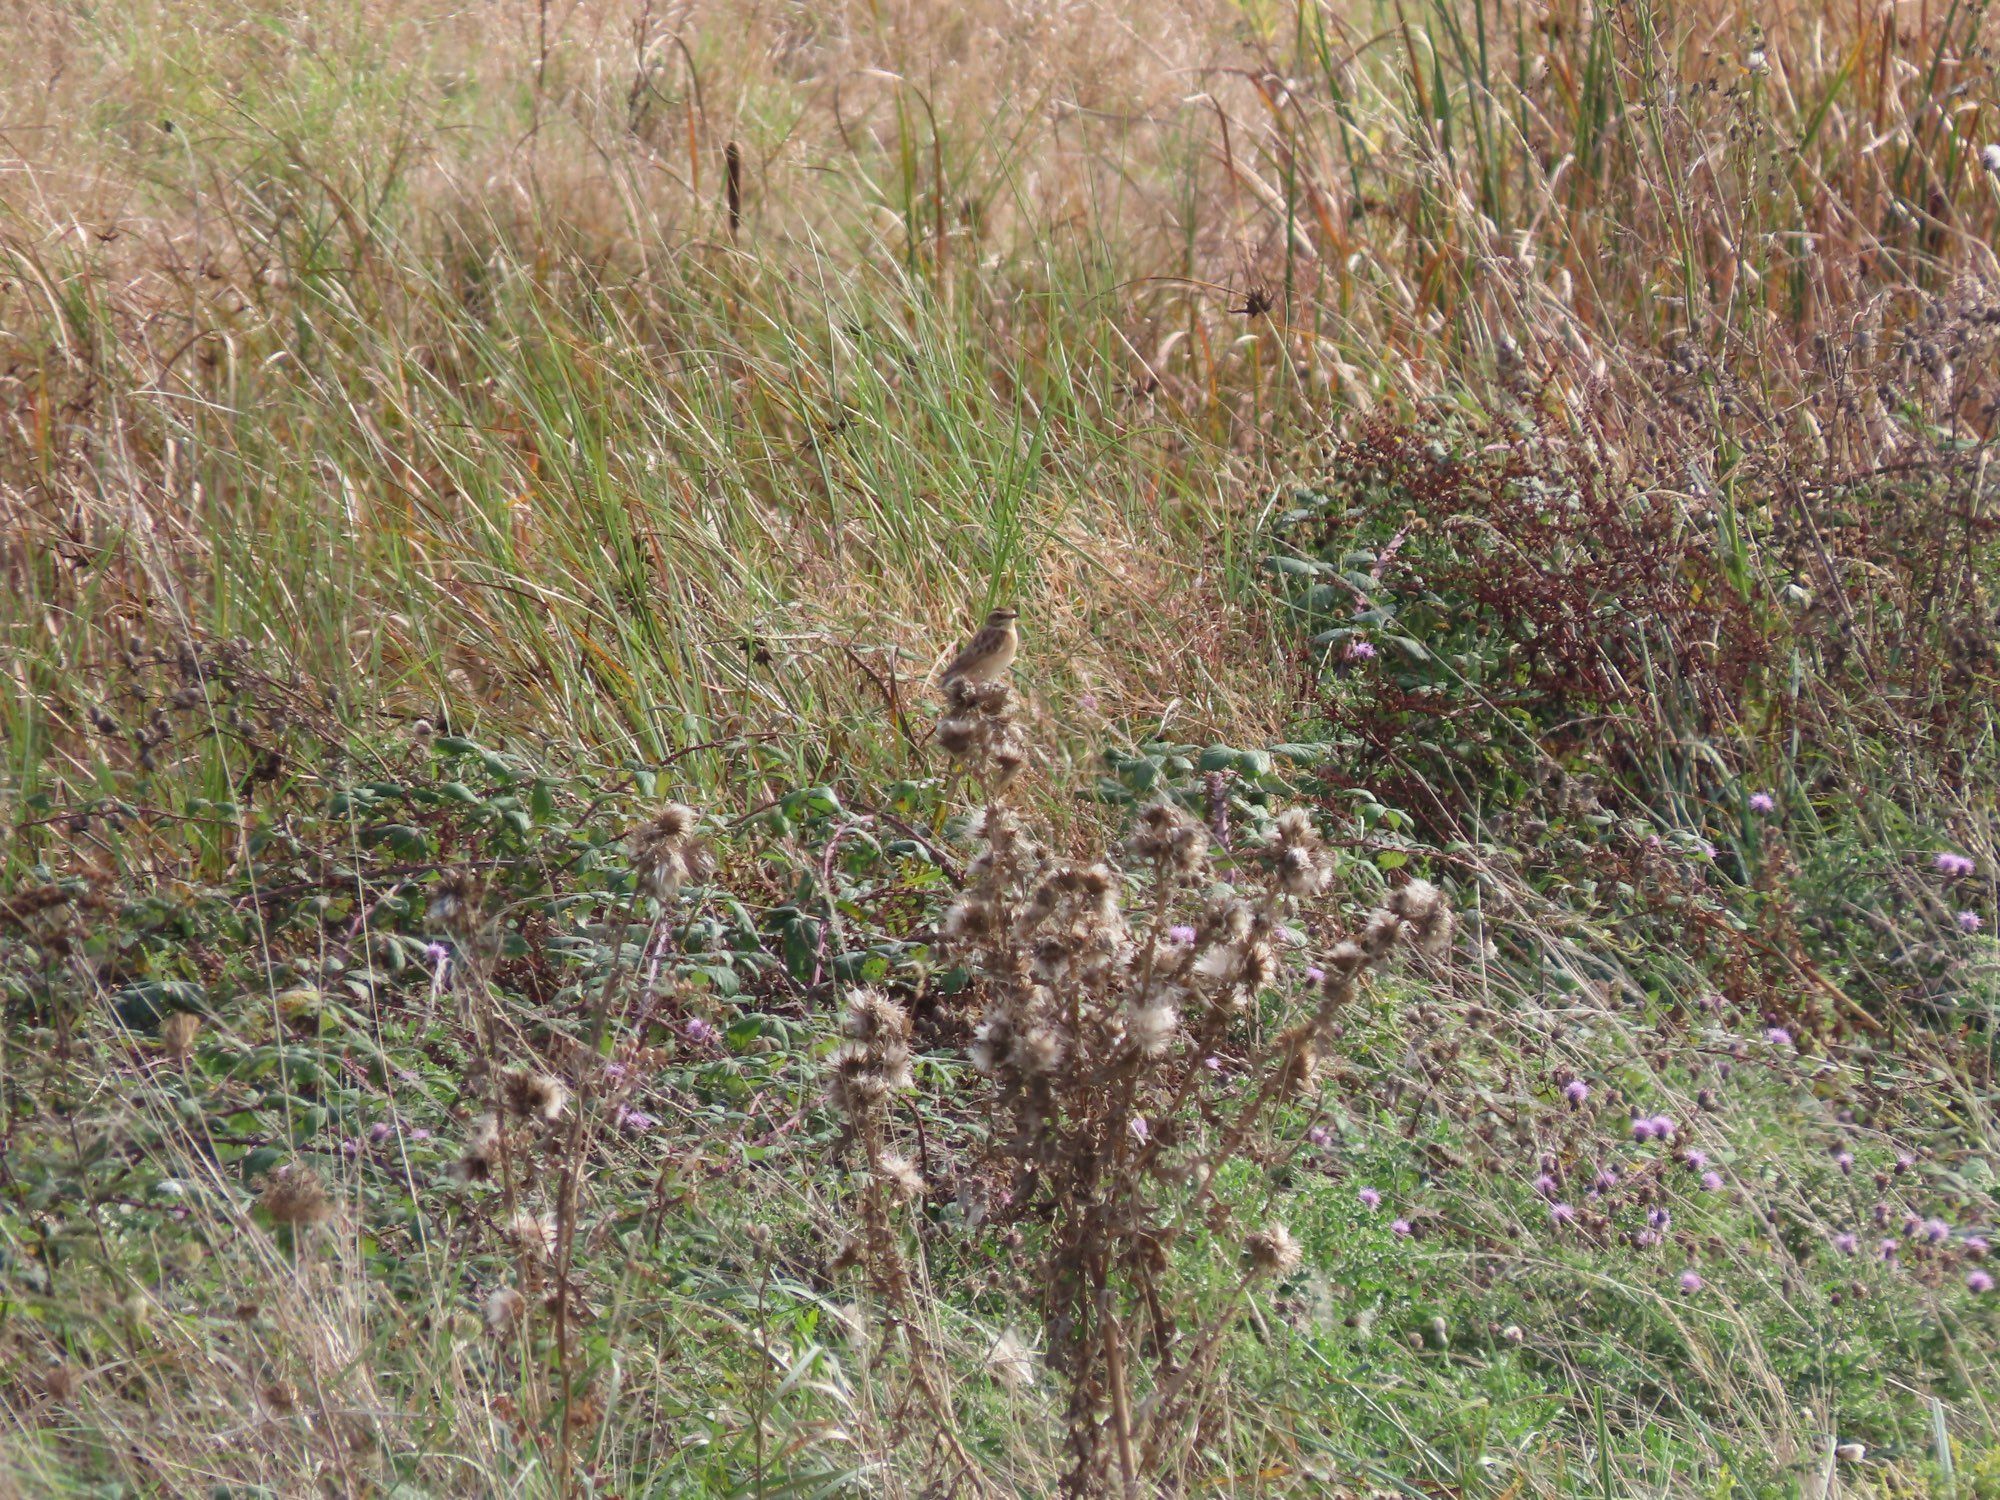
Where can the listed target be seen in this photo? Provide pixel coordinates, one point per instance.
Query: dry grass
(416, 368)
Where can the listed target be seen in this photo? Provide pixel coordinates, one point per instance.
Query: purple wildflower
(1319, 1135)
(1711, 1182)
(1360, 651)
(1936, 1231)
(1887, 1249)
(378, 1133)
(1762, 802)
(1545, 1185)
(1846, 1244)
(1975, 1246)
(634, 1121)
(1978, 1281)
(1315, 974)
(1562, 1213)
(1845, 1161)
(1690, 1281)
(1181, 935)
(1401, 1228)
(1953, 865)
(1576, 1091)
(698, 1031)
(1777, 1036)
(1370, 1198)
(1139, 1128)
(1969, 921)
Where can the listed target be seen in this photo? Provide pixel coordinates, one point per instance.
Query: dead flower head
(294, 1196)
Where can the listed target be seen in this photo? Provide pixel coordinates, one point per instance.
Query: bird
(989, 653)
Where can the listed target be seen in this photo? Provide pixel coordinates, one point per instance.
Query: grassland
(1545, 441)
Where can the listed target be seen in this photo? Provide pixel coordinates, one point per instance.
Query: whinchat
(989, 653)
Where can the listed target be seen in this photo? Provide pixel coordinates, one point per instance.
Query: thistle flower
(505, 1308)
(1152, 1028)
(1400, 1228)
(294, 1196)
(666, 853)
(1370, 1198)
(1562, 1213)
(900, 1175)
(533, 1235)
(1272, 1251)
(1181, 935)
(481, 1151)
(1711, 1182)
(1845, 1161)
(1359, 650)
(1777, 1036)
(1576, 1091)
(1978, 1281)
(1762, 802)
(530, 1094)
(1297, 855)
(1170, 838)
(1936, 1231)
(1847, 1244)
(1954, 865)
(1690, 1281)
(1969, 921)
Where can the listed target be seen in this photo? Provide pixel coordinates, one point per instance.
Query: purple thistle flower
(1696, 1160)
(1845, 1161)
(1360, 651)
(1975, 1246)
(1904, 1161)
(1777, 1036)
(1690, 1281)
(1370, 1198)
(1978, 1281)
(1711, 1182)
(1659, 1218)
(1400, 1228)
(698, 1031)
(1545, 1185)
(1969, 921)
(1762, 802)
(1846, 1244)
(1642, 1129)
(1576, 1091)
(1139, 1128)
(1562, 1213)
(634, 1121)
(1605, 1181)
(1646, 1239)
(1315, 974)
(1181, 935)
(1887, 1249)
(1319, 1135)
(1953, 865)
(378, 1133)
(420, 1134)
(1936, 1231)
